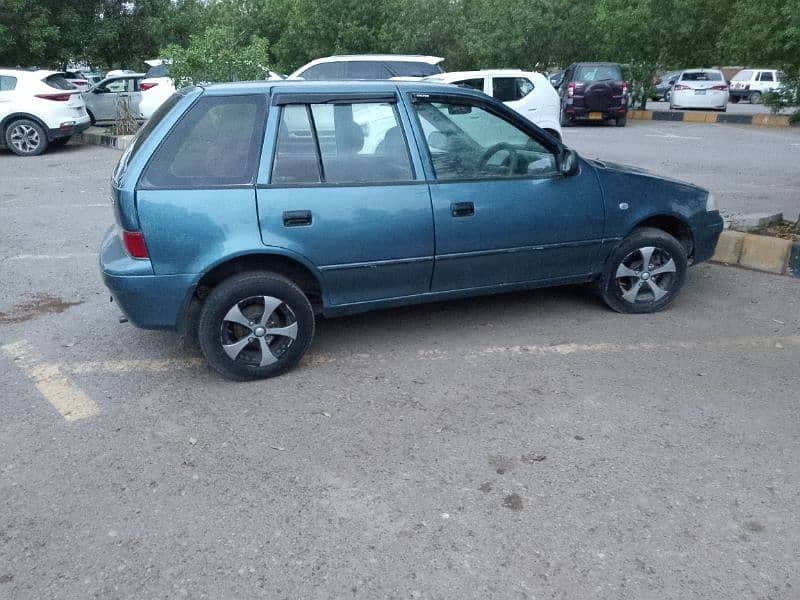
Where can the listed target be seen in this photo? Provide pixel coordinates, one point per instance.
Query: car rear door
(495, 226)
(339, 189)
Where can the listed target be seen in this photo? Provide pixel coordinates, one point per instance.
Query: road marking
(48, 256)
(312, 360)
(672, 136)
(60, 392)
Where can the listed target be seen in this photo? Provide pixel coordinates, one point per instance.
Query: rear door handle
(296, 218)
(462, 209)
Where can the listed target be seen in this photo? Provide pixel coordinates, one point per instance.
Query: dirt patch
(40, 304)
(787, 230)
(513, 502)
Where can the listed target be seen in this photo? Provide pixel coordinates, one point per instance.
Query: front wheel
(755, 98)
(255, 325)
(645, 273)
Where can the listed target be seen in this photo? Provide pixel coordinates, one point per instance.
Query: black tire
(91, 117)
(735, 99)
(61, 141)
(621, 121)
(755, 98)
(634, 294)
(667, 96)
(25, 137)
(564, 119)
(249, 293)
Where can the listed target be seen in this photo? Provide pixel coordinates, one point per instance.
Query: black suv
(593, 91)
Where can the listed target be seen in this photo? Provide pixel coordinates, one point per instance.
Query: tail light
(146, 86)
(55, 97)
(570, 89)
(624, 88)
(133, 241)
(680, 86)
(720, 88)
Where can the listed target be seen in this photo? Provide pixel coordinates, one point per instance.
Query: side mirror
(568, 163)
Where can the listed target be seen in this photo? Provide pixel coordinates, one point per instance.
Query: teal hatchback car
(244, 210)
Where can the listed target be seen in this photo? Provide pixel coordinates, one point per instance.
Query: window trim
(339, 98)
(502, 111)
(262, 116)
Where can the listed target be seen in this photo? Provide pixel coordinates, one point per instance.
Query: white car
(369, 66)
(38, 108)
(700, 88)
(750, 84)
(529, 93)
(103, 100)
(155, 88)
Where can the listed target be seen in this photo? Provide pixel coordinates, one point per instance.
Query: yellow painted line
(60, 392)
(133, 366)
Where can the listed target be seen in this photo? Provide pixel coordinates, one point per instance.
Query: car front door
(339, 187)
(503, 212)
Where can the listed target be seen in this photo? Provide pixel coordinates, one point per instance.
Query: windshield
(743, 75)
(598, 73)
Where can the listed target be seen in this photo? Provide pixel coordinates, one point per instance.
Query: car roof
(481, 73)
(123, 76)
(597, 64)
(701, 70)
(342, 86)
(432, 60)
(35, 73)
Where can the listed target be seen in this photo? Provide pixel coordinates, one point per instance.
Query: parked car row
(747, 84)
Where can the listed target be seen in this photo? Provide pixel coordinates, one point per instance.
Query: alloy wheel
(24, 138)
(258, 331)
(646, 275)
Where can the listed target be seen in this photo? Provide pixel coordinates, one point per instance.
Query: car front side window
(466, 141)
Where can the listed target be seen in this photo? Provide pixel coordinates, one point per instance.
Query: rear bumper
(148, 301)
(580, 113)
(706, 232)
(69, 130)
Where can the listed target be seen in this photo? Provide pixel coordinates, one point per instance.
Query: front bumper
(706, 232)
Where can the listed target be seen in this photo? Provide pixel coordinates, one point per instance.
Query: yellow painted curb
(729, 247)
(765, 253)
(641, 115)
(771, 120)
(699, 117)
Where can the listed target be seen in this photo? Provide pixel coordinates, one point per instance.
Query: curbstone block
(751, 221)
(98, 137)
(793, 267)
(729, 247)
(765, 253)
(771, 120)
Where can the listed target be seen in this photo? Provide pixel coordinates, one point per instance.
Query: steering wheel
(513, 156)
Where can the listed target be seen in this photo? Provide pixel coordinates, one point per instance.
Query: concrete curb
(711, 117)
(759, 252)
(97, 136)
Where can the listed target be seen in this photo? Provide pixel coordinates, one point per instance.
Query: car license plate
(595, 116)
(699, 92)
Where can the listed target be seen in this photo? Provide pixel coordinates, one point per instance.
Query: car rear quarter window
(296, 160)
(215, 144)
(157, 71)
(410, 68)
(509, 89)
(7, 83)
(58, 82)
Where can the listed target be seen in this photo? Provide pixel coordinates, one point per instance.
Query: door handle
(462, 209)
(296, 218)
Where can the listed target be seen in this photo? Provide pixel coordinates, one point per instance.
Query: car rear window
(702, 76)
(157, 71)
(743, 75)
(407, 68)
(369, 69)
(58, 82)
(143, 133)
(598, 73)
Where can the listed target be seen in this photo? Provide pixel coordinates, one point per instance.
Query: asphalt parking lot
(532, 445)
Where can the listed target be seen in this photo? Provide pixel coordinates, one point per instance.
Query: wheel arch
(673, 225)
(293, 267)
(8, 119)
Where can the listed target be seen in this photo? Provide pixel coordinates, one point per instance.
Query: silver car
(103, 99)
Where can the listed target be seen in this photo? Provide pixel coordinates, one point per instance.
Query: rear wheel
(667, 96)
(645, 273)
(755, 98)
(621, 121)
(735, 99)
(26, 138)
(255, 325)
